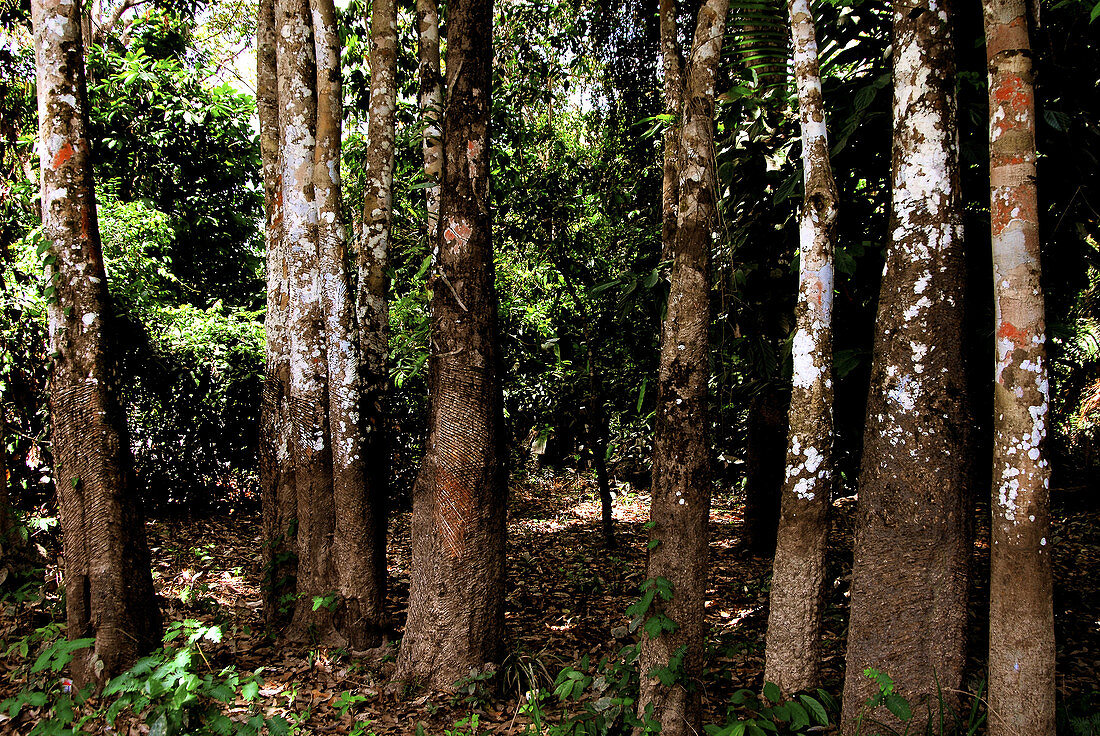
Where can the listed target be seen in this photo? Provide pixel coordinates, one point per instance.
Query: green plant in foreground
(945, 720)
(750, 714)
(45, 688)
(170, 691)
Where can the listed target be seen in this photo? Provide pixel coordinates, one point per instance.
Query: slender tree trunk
(456, 601)
(680, 509)
(793, 648)
(595, 417)
(373, 306)
(358, 546)
(7, 520)
(766, 459)
(1021, 612)
(277, 488)
(308, 402)
(673, 62)
(108, 585)
(597, 441)
(909, 575)
(431, 108)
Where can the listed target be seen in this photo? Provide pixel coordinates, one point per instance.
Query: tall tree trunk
(765, 462)
(373, 306)
(108, 585)
(277, 488)
(680, 509)
(1021, 612)
(456, 601)
(793, 647)
(909, 574)
(308, 352)
(358, 547)
(672, 60)
(431, 108)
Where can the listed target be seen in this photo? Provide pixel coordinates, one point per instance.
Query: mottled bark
(277, 488)
(680, 509)
(456, 600)
(1021, 613)
(108, 586)
(909, 575)
(312, 449)
(793, 648)
(431, 107)
(358, 546)
(373, 307)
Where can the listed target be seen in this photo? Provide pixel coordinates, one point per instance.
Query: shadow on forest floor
(567, 598)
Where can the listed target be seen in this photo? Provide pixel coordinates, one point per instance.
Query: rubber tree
(372, 304)
(793, 646)
(1021, 610)
(339, 586)
(680, 506)
(431, 107)
(909, 572)
(277, 487)
(456, 599)
(108, 584)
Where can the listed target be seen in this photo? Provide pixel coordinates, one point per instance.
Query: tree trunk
(431, 108)
(456, 600)
(680, 510)
(1021, 612)
(277, 488)
(358, 547)
(7, 520)
(312, 450)
(673, 62)
(108, 585)
(597, 441)
(373, 306)
(793, 648)
(909, 574)
(766, 459)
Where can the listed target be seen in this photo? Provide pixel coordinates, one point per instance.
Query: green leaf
(1095, 13)
(771, 692)
(250, 690)
(899, 706)
(799, 717)
(816, 709)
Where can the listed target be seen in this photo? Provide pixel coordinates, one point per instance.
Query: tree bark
(358, 547)
(277, 487)
(431, 108)
(680, 510)
(909, 575)
(373, 260)
(1021, 611)
(793, 648)
(672, 60)
(456, 600)
(108, 585)
(312, 450)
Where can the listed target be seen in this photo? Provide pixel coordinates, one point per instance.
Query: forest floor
(567, 599)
